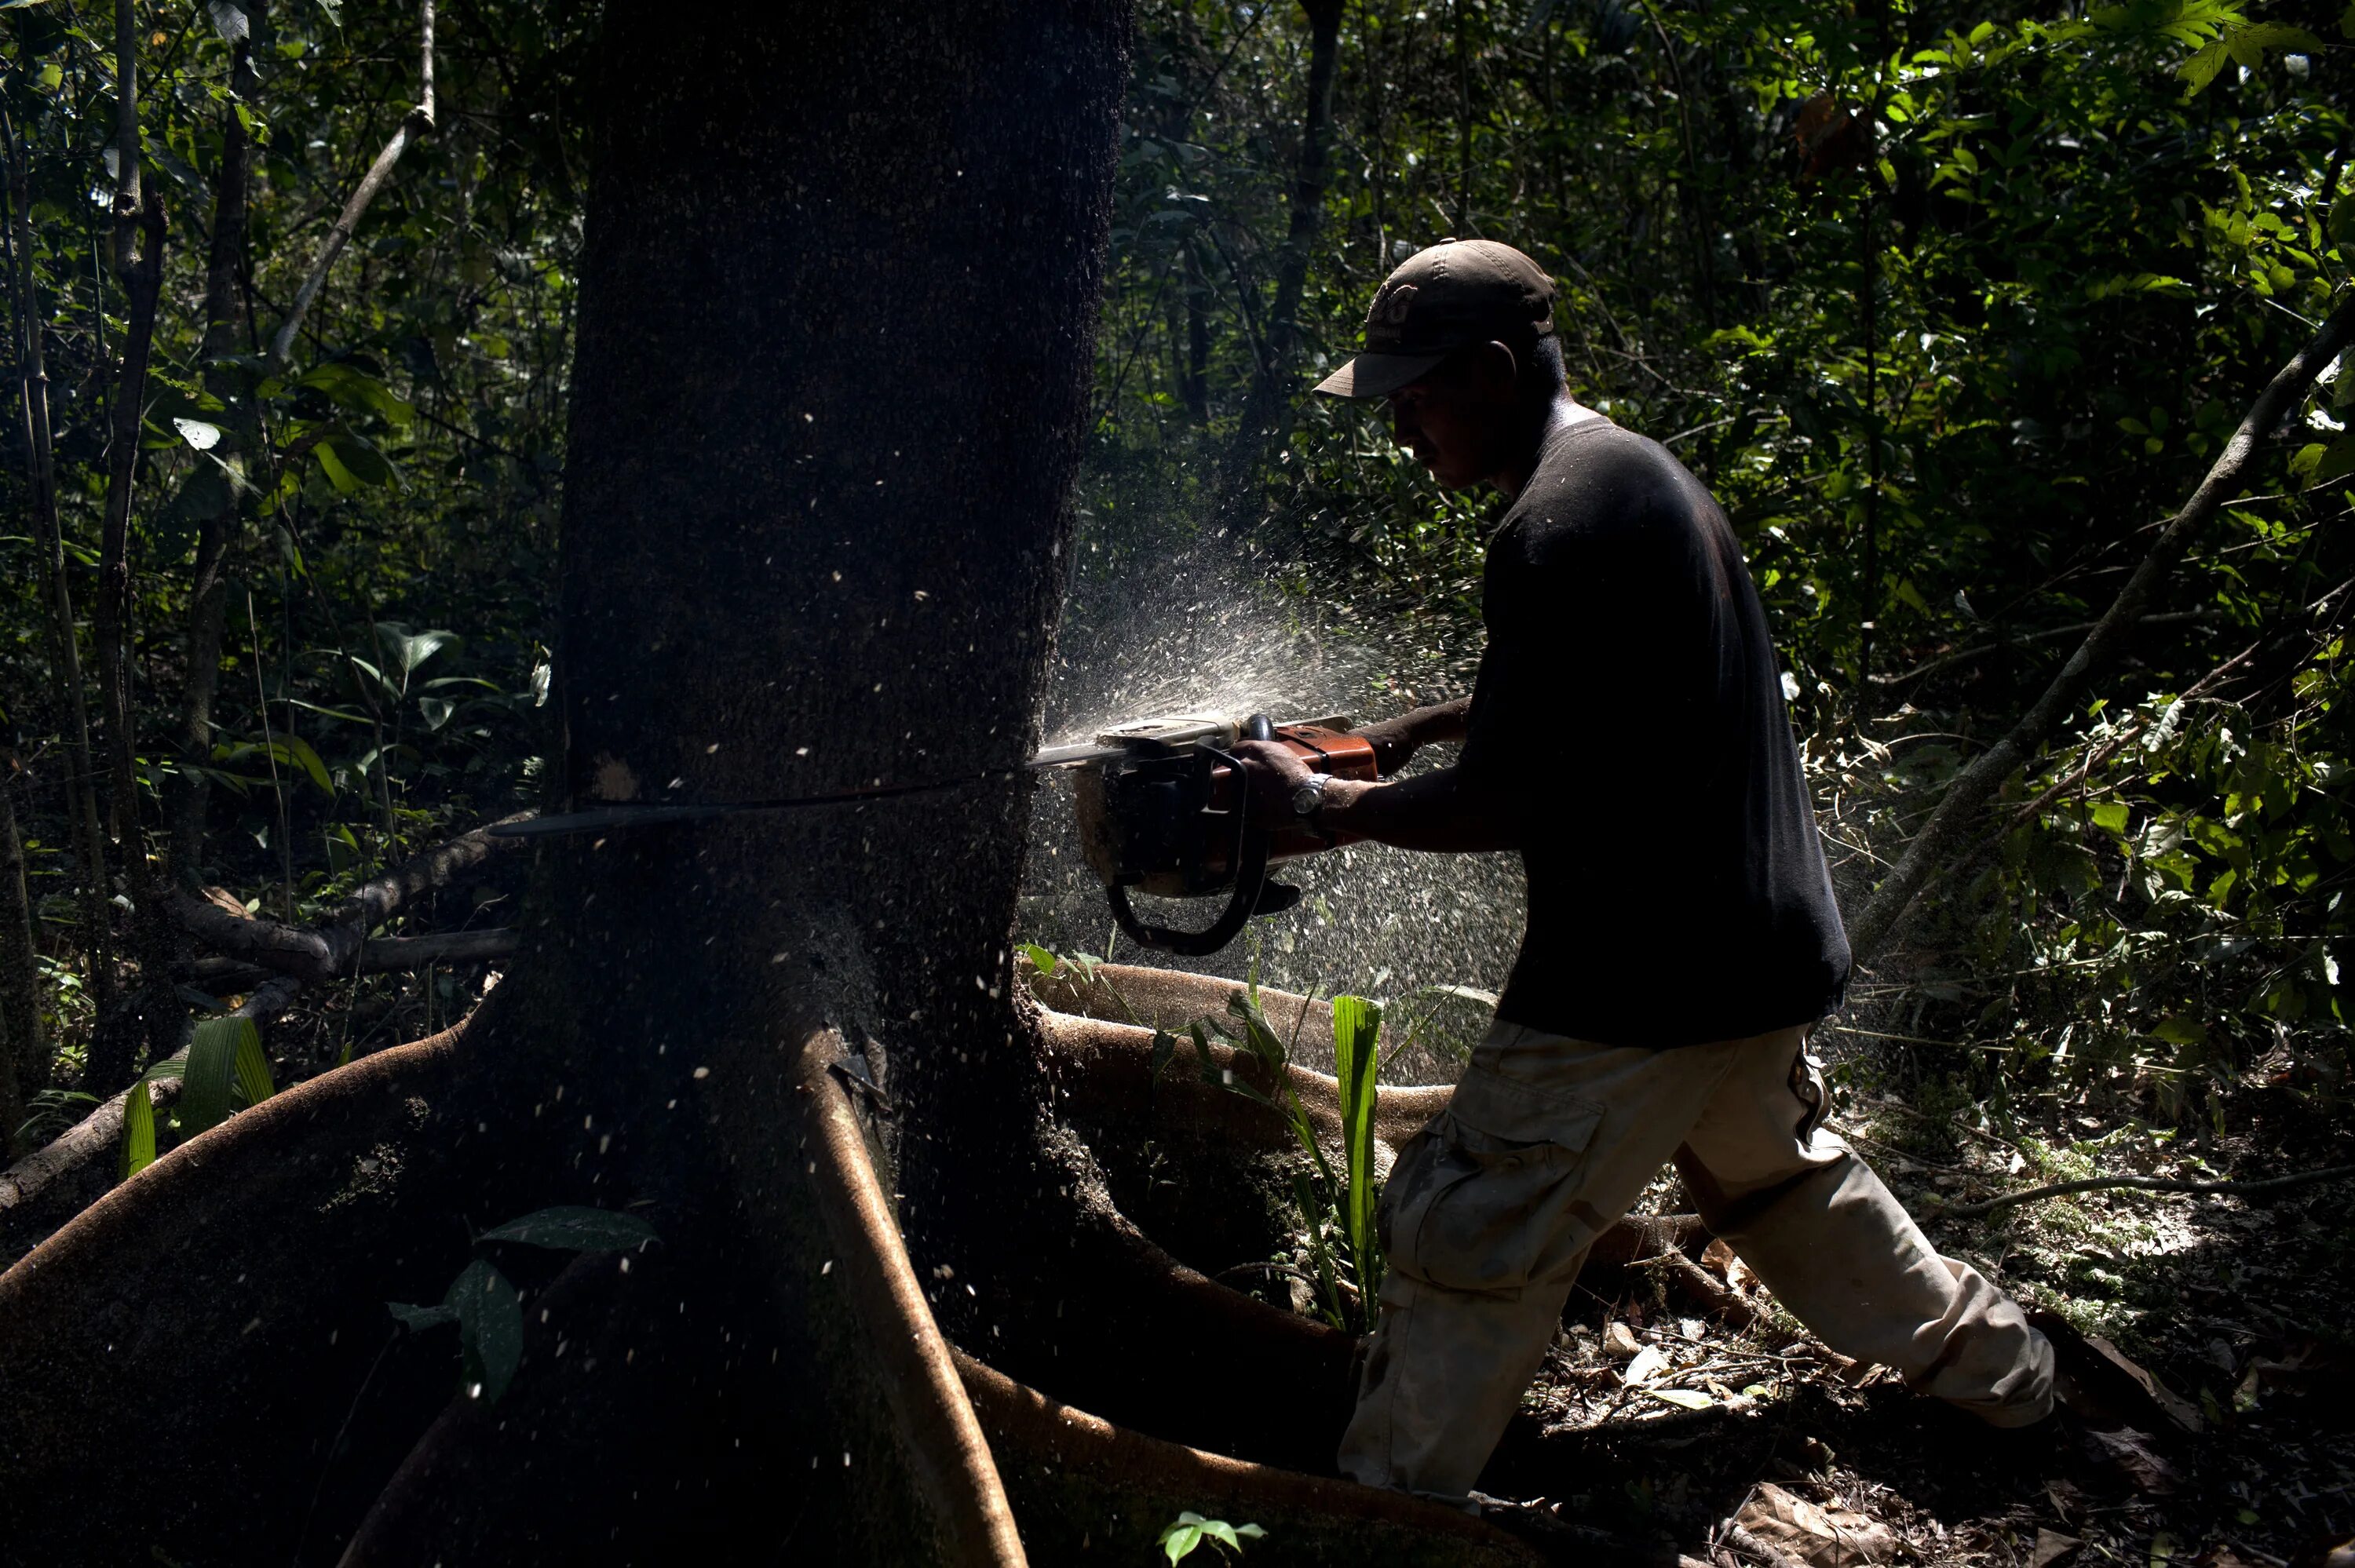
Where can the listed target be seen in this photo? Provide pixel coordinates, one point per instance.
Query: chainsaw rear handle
(1251, 881)
(1249, 858)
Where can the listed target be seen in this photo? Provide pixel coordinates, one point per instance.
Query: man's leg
(1487, 1215)
(1838, 1250)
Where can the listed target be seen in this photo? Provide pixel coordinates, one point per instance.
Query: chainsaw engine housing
(1166, 816)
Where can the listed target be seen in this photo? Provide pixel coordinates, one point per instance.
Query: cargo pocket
(1815, 1097)
(1481, 1199)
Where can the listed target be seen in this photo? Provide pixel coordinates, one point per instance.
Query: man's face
(1457, 419)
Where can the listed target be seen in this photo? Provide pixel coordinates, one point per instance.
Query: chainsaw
(1166, 810)
(1163, 805)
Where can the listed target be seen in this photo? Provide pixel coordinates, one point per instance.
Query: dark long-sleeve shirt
(1630, 714)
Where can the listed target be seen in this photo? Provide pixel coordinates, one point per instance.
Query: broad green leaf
(211, 1069)
(575, 1229)
(294, 749)
(1357, 1031)
(353, 388)
(410, 652)
(2111, 816)
(253, 1082)
(346, 482)
(2333, 462)
(418, 1318)
(490, 1330)
(1040, 958)
(138, 1130)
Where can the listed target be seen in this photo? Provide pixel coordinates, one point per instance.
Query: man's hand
(1274, 770)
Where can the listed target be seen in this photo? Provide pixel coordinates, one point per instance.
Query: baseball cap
(1456, 293)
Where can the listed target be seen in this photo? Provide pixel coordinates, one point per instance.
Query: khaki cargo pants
(1547, 1140)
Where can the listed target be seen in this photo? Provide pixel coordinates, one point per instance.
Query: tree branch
(413, 124)
(2142, 1185)
(340, 945)
(1986, 774)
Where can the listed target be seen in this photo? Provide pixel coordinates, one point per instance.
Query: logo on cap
(1386, 318)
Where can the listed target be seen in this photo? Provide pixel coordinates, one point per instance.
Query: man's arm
(1397, 739)
(1445, 811)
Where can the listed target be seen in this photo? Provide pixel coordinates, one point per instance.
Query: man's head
(1460, 340)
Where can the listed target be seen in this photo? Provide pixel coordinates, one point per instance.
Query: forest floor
(2237, 1305)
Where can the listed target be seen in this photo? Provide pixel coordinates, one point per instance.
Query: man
(1627, 736)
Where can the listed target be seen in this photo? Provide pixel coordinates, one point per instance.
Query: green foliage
(138, 1131)
(1357, 1028)
(1190, 1529)
(399, 474)
(484, 1304)
(224, 1070)
(1337, 1207)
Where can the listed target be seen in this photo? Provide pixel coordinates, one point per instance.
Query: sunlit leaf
(212, 1069)
(138, 1130)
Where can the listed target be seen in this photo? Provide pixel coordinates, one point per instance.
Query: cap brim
(1377, 375)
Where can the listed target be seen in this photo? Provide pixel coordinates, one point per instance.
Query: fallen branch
(1932, 845)
(96, 1135)
(1963, 655)
(2142, 1185)
(339, 945)
(413, 124)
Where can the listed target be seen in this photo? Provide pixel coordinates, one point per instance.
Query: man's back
(1630, 712)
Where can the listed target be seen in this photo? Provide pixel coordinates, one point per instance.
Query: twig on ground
(2143, 1184)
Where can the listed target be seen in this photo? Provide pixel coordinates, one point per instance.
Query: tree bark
(24, 1044)
(1267, 411)
(1949, 825)
(65, 654)
(189, 791)
(152, 1013)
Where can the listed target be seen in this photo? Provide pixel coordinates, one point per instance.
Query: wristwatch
(1308, 796)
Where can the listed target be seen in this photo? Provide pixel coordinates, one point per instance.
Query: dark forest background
(1951, 305)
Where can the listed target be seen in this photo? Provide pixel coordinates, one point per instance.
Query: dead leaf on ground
(2051, 1547)
(1727, 1265)
(1648, 1363)
(2127, 1454)
(2177, 1408)
(1820, 1537)
(1619, 1342)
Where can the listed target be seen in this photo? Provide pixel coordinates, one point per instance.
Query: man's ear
(1499, 371)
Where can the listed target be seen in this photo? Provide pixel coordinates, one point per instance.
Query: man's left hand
(1274, 771)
